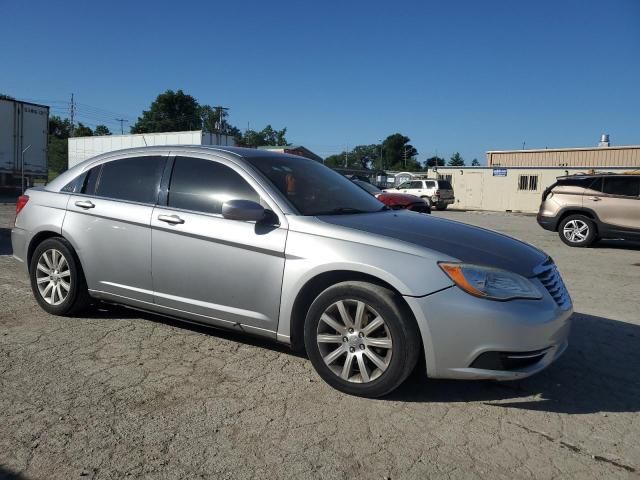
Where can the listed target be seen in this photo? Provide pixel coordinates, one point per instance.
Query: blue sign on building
(499, 172)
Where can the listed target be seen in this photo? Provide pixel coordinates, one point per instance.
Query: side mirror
(244, 210)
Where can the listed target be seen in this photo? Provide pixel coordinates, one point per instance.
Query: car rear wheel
(57, 280)
(361, 339)
(577, 231)
(427, 200)
(442, 206)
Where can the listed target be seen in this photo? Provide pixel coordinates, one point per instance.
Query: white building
(81, 148)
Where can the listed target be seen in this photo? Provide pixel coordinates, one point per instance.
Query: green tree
(170, 112)
(434, 161)
(456, 160)
(6, 97)
(59, 130)
(475, 162)
(82, 131)
(102, 130)
(266, 136)
(399, 154)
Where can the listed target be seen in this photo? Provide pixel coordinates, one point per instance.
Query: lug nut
(345, 339)
(362, 346)
(351, 330)
(351, 349)
(361, 334)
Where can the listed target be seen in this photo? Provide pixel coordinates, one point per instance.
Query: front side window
(204, 185)
(622, 185)
(131, 179)
(314, 189)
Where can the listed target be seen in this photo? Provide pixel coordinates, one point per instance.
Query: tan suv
(585, 208)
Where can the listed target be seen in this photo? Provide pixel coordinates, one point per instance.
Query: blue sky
(465, 76)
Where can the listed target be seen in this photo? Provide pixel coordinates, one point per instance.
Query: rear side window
(431, 184)
(622, 185)
(204, 185)
(132, 179)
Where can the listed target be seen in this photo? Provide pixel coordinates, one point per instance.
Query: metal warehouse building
(601, 156)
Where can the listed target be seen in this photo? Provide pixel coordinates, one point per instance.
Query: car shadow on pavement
(599, 372)
(616, 244)
(6, 474)
(5, 241)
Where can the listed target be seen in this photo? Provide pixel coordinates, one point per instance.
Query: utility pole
(404, 156)
(72, 114)
(221, 112)
(346, 162)
(121, 120)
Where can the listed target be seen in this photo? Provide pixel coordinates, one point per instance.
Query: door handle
(85, 204)
(595, 199)
(172, 219)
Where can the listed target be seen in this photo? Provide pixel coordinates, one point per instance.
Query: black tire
(401, 326)
(77, 297)
(442, 206)
(577, 236)
(427, 200)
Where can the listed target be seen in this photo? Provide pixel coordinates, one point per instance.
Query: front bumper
(458, 328)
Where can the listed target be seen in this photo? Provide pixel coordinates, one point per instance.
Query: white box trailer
(81, 148)
(23, 126)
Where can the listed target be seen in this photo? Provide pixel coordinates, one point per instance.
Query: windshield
(314, 189)
(372, 189)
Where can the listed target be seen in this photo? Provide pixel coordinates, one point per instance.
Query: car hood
(464, 242)
(397, 198)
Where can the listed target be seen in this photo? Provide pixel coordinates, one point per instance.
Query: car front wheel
(361, 339)
(577, 231)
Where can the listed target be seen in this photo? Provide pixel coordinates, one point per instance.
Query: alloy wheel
(575, 231)
(53, 276)
(354, 341)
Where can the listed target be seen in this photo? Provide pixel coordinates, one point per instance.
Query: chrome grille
(550, 277)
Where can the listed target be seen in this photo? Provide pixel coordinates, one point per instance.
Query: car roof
(596, 175)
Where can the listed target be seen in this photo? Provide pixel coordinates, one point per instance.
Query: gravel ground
(123, 394)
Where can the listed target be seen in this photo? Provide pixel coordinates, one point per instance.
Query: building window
(528, 183)
(447, 177)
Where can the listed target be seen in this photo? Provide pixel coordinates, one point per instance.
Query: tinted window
(203, 185)
(132, 179)
(444, 185)
(622, 185)
(314, 189)
(431, 184)
(91, 180)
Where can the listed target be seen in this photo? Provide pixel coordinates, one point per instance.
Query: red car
(395, 201)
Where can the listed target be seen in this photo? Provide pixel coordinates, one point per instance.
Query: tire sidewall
(584, 243)
(402, 359)
(67, 305)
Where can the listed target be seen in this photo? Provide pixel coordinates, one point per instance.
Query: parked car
(283, 247)
(396, 201)
(585, 208)
(437, 193)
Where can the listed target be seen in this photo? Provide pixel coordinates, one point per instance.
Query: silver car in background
(283, 247)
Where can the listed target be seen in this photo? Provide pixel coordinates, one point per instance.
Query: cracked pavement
(123, 394)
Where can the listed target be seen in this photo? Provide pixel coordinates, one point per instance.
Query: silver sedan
(283, 247)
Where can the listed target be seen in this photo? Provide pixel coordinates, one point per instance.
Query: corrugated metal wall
(582, 157)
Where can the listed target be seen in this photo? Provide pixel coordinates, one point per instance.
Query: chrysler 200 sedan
(283, 247)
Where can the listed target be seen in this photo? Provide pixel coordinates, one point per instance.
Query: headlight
(489, 282)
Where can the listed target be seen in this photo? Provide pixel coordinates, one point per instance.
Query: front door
(221, 271)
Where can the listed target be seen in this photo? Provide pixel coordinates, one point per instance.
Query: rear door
(220, 271)
(616, 201)
(108, 222)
